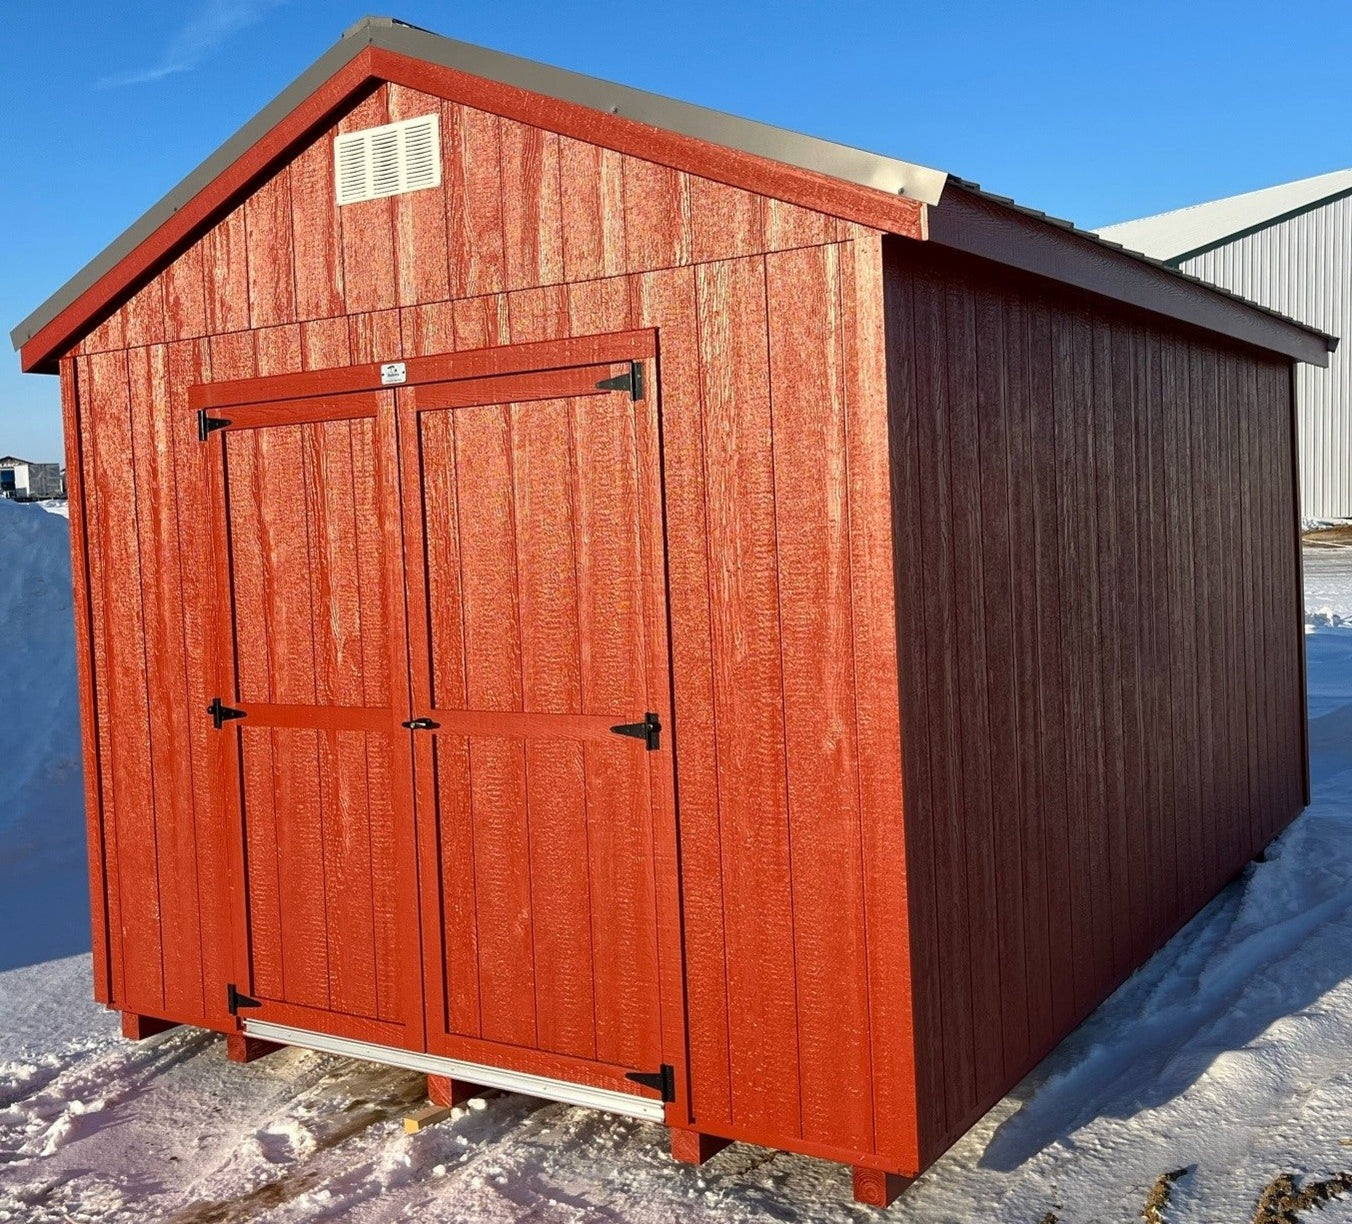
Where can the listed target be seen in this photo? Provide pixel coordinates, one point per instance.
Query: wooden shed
(625, 604)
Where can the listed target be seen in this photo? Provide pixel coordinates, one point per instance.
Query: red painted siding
(776, 818)
(878, 482)
(1100, 646)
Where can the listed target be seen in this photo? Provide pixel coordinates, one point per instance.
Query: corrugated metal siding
(1303, 267)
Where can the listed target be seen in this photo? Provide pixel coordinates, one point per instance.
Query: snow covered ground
(1229, 1056)
(44, 888)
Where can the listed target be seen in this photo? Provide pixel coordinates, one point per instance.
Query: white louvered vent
(388, 160)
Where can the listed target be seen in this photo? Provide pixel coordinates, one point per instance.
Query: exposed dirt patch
(1329, 536)
(1282, 1203)
(1157, 1202)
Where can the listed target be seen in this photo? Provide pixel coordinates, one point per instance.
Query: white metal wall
(1303, 267)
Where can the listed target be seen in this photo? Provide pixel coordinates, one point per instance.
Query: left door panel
(313, 658)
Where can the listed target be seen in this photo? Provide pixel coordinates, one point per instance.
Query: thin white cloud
(194, 41)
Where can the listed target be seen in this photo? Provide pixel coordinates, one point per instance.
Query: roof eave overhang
(865, 188)
(969, 221)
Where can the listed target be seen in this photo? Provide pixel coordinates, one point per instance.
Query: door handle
(649, 730)
(420, 724)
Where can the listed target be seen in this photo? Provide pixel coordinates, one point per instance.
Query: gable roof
(1184, 232)
(874, 186)
(882, 193)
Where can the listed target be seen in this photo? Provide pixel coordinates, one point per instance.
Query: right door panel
(538, 623)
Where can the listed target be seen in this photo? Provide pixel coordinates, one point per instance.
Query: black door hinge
(662, 1080)
(649, 730)
(222, 713)
(631, 381)
(206, 425)
(234, 1000)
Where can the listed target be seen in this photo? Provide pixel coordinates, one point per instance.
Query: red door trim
(539, 357)
(408, 1031)
(318, 718)
(564, 357)
(510, 724)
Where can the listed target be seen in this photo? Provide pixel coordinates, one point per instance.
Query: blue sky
(1094, 111)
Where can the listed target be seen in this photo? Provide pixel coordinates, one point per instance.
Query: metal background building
(1290, 248)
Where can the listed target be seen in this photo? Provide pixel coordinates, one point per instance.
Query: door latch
(649, 730)
(420, 724)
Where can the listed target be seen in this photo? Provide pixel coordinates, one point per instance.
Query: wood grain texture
(748, 695)
(166, 679)
(481, 333)
(271, 252)
(420, 237)
(188, 581)
(812, 530)
(472, 172)
(324, 812)
(694, 1147)
(370, 273)
(877, 1188)
(533, 650)
(101, 943)
(316, 233)
(862, 927)
(591, 181)
(532, 221)
(1130, 665)
(521, 206)
(126, 726)
(668, 298)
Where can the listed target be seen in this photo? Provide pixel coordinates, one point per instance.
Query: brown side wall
(1100, 650)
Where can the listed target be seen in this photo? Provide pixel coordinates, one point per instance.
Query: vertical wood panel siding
(1099, 648)
(1302, 266)
(779, 539)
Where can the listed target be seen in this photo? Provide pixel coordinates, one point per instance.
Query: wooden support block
(137, 1028)
(695, 1147)
(242, 1049)
(428, 1115)
(444, 1091)
(876, 1188)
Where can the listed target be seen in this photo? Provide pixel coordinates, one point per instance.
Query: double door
(444, 712)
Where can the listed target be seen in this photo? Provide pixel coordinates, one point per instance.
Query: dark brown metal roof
(998, 228)
(950, 220)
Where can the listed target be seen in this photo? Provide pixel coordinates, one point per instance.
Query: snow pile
(44, 907)
(1323, 618)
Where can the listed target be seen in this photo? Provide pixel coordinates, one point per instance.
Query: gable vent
(388, 160)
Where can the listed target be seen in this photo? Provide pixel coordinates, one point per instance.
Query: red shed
(584, 595)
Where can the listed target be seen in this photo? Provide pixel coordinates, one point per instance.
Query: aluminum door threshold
(549, 1089)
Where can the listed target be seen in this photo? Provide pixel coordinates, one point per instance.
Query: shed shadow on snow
(1272, 943)
(44, 881)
